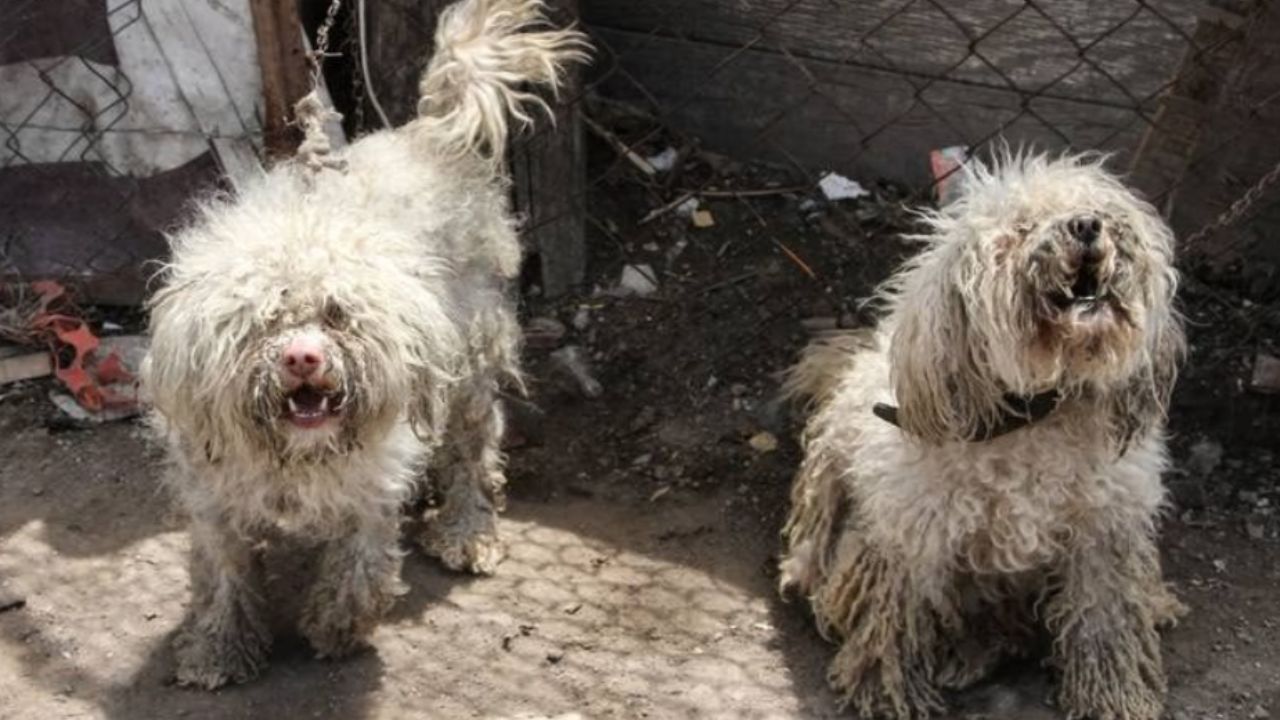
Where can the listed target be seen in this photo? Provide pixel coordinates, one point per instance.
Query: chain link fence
(101, 136)
(113, 113)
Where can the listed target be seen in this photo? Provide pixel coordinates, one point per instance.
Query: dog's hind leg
(224, 639)
(358, 583)
(1104, 617)
(890, 635)
(463, 531)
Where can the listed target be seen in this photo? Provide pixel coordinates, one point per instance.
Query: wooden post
(548, 167)
(1169, 143)
(550, 175)
(286, 76)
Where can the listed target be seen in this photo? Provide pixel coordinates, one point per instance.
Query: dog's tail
(815, 378)
(485, 51)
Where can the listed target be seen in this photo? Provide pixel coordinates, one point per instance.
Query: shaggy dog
(985, 464)
(326, 336)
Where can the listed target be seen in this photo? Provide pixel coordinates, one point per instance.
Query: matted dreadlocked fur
(929, 550)
(395, 268)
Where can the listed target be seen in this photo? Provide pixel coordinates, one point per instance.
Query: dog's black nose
(1085, 228)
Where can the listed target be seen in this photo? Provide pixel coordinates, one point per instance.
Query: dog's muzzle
(1087, 289)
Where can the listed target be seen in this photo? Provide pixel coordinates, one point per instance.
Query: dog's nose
(1085, 228)
(303, 357)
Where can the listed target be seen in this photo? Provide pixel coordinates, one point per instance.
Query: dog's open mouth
(1086, 293)
(311, 407)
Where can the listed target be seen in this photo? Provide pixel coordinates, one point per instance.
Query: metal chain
(322, 40)
(357, 83)
(1238, 209)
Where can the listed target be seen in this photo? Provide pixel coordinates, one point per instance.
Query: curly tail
(822, 363)
(485, 50)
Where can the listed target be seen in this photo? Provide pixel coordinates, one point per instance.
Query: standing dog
(985, 464)
(324, 336)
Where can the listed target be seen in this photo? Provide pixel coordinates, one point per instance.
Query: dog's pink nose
(303, 357)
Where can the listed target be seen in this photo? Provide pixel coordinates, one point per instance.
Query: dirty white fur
(928, 553)
(397, 267)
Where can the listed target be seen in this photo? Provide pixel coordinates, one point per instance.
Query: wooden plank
(758, 107)
(285, 74)
(200, 83)
(24, 367)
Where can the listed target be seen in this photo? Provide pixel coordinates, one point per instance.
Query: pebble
(763, 442)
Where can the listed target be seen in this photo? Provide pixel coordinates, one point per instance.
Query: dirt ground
(642, 524)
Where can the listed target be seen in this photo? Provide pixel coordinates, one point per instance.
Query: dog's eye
(334, 315)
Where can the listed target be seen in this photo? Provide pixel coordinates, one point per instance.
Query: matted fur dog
(321, 338)
(985, 464)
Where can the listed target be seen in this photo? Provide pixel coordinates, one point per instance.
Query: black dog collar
(1022, 411)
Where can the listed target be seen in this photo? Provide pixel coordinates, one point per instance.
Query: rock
(582, 318)
(1204, 458)
(11, 602)
(639, 280)
(644, 418)
(763, 442)
(1254, 528)
(544, 333)
(1259, 713)
(1266, 374)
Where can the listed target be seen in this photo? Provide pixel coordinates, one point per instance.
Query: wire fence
(94, 159)
(112, 114)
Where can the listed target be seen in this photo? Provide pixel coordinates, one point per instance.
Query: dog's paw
(333, 635)
(1112, 681)
(464, 546)
(210, 660)
(339, 617)
(967, 662)
(874, 688)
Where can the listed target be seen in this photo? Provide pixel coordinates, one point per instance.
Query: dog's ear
(1143, 402)
(936, 356)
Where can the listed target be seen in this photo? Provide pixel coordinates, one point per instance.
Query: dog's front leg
(463, 532)
(887, 659)
(224, 639)
(358, 582)
(1104, 618)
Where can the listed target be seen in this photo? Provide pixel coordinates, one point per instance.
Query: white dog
(985, 464)
(325, 336)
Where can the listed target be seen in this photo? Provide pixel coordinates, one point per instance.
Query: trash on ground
(570, 364)
(688, 207)
(838, 187)
(637, 280)
(703, 219)
(103, 379)
(665, 160)
(945, 163)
